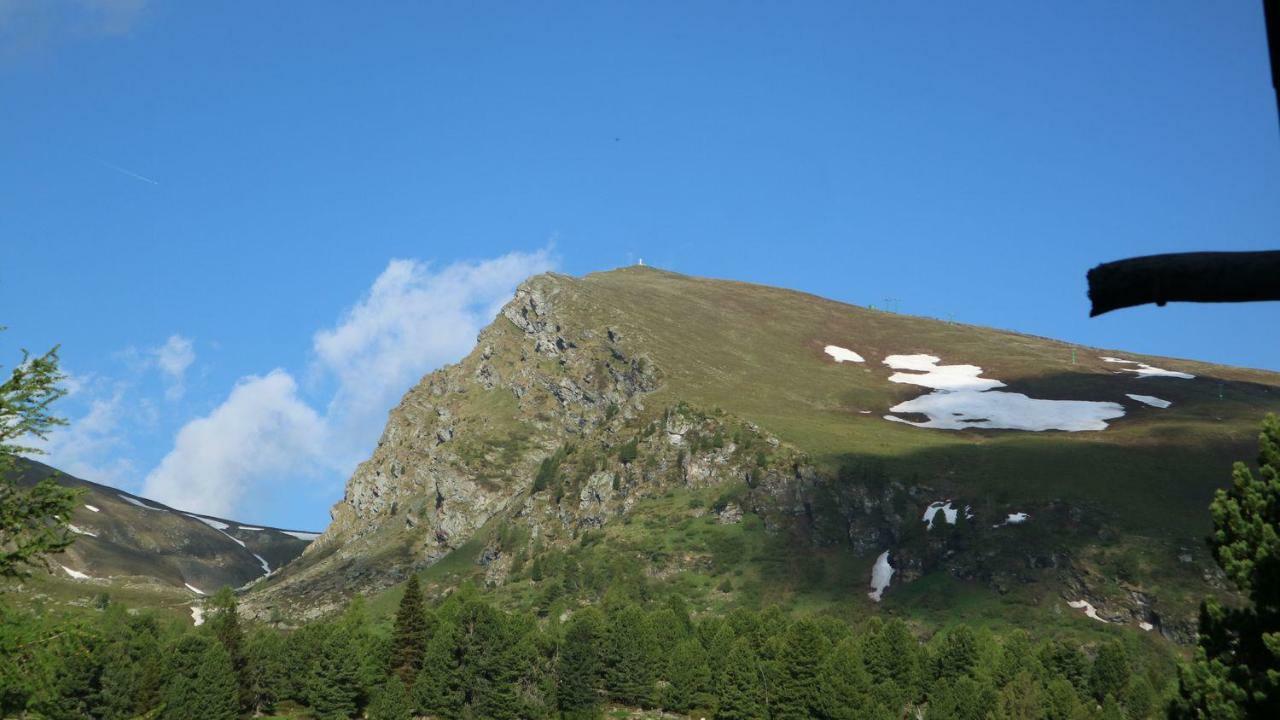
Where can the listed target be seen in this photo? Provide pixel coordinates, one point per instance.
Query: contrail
(130, 173)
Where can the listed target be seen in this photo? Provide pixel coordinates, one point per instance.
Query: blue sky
(252, 225)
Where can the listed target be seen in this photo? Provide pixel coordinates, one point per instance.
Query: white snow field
(1149, 400)
(301, 535)
(880, 575)
(197, 615)
(938, 377)
(1013, 519)
(194, 589)
(211, 523)
(250, 527)
(135, 501)
(75, 573)
(91, 508)
(80, 531)
(1145, 371)
(1089, 610)
(1146, 626)
(841, 355)
(961, 399)
(948, 513)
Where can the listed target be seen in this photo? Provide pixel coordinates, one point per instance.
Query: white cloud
(173, 358)
(262, 430)
(413, 320)
(90, 447)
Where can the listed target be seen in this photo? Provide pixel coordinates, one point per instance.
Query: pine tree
(844, 683)
(1021, 699)
(390, 701)
(956, 654)
(438, 689)
(578, 666)
(629, 651)
(265, 651)
(894, 659)
(741, 686)
(1110, 673)
(410, 633)
(689, 678)
(203, 682)
(797, 695)
(334, 684)
(963, 698)
(33, 522)
(1236, 669)
(224, 622)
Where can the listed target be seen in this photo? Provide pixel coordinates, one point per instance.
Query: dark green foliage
(894, 659)
(578, 666)
(956, 654)
(390, 701)
(797, 694)
(689, 676)
(411, 632)
(628, 452)
(202, 683)
(224, 622)
(629, 656)
(1236, 669)
(741, 684)
(844, 683)
(32, 521)
(269, 670)
(961, 698)
(1110, 673)
(333, 687)
(438, 688)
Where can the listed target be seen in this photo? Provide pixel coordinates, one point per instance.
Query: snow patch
(961, 399)
(948, 513)
(197, 615)
(1146, 626)
(880, 575)
(840, 354)
(938, 377)
(75, 573)
(1013, 519)
(135, 501)
(80, 531)
(301, 535)
(194, 589)
(266, 568)
(1149, 400)
(211, 523)
(1089, 610)
(91, 508)
(249, 527)
(1144, 370)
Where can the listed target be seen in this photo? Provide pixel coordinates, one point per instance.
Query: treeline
(466, 659)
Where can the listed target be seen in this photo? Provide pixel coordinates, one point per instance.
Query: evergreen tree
(1236, 669)
(1062, 660)
(202, 683)
(797, 695)
(578, 666)
(629, 651)
(224, 622)
(74, 686)
(438, 689)
(740, 687)
(956, 654)
(690, 678)
(33, 522)
(1022, 698)
(962, 698)
(844, 683)
(411, 632)
(390, 701)
(894, 659)
(265, 651)
(1110, 673)
(1061, 700)
(334, 684)
(133, 666)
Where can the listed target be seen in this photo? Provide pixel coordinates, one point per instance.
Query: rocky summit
(753, 445)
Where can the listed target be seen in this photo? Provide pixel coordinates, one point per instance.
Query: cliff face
(619, 408)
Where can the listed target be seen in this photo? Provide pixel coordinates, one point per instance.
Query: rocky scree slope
(590, 398)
